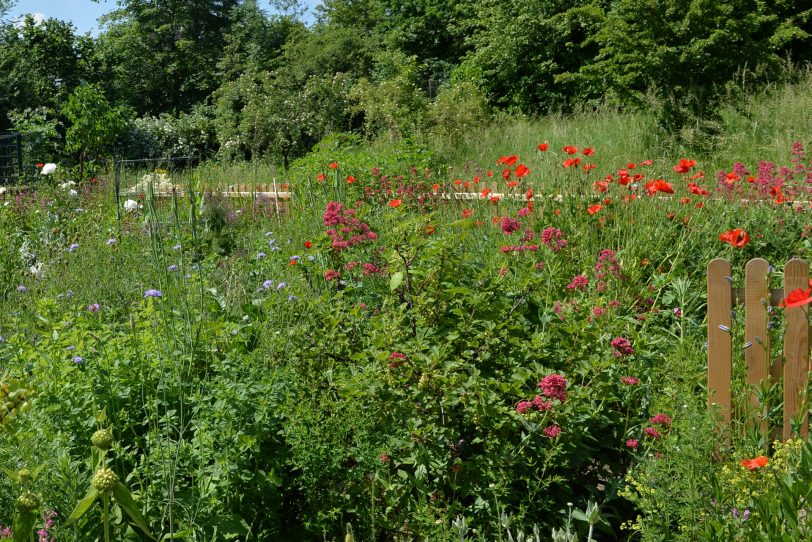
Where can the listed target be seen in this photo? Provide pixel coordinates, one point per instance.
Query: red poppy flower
(588, 167)
(736, 238)
(522, 171)
(594, 208)
(589, 151)
(308, 244)
(511, 184)
(684, 165)
(476, 179)
(395, 202)
(797, 298)
(631, 165)
(435, 187)
(40, 164)
(350, 179)
(506, 174)
(485, 193)
(333, 165)
(508, 160)
(466, 213)
(601, 186)
(494, 199)
(458, 181)
(543, 147)
(569, 162)
(658, 185)
(697, 175)
(756, 462)
(646, 163)
(569, 149)
(489, 173)
(320, 177)
(696, 189)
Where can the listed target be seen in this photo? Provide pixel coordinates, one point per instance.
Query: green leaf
(23, 525)
(13, 474)
(395, 281)
(84, 505)
(125, 500)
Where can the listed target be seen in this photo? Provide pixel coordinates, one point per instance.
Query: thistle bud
(25, 475)
(102, 439)
(28, 502)
(104, 480)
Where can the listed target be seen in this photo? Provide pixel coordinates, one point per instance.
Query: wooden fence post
(756, 336)
(796, 351)
(720, 342)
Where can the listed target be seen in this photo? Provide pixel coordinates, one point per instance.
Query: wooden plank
(756, 336)
(720, 343)
(796, 351)
(776, 295)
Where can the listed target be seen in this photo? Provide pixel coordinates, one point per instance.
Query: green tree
(40, 65)
(94, 125)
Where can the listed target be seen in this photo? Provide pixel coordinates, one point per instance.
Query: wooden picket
(758, 300)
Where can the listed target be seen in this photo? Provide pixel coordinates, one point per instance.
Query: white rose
(48, 168)
(130, 205)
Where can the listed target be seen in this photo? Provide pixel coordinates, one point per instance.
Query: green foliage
(41, 142)
(94, 125)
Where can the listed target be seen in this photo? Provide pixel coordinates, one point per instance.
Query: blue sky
(83, 13)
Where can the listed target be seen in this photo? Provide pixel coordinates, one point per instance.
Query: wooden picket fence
(758, 300)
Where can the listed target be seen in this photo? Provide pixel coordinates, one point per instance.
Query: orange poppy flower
(508, 160)
(350, 179)
(736, 238)
(594, 208)
(395, 202)
(756, 462)
(333, 165)
(436, 187)
(797, 298)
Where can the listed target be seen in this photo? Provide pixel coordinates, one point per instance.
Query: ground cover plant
(381, 361)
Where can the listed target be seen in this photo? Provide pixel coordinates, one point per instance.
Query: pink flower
(622, 347)
(651, 432)
(553, 238)
(661, 419)
(331, 274)
(541, 404)
(598, 311)
(629, 380)
(552, 431)
(523, 406)
(384, 458)
(632, 443)
(396, 359)
(509, 225)
(579, 282)
(554, 386)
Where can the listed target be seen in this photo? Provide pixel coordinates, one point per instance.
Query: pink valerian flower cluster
(629, 380)
(509, 225)
(344, 228)
(527, 236)
(519, 248)
(608, 266)
(552, 431)
(652, 433)
(632, 443)
(598, 311)
(661, 419)
(579, 282)
(541, 404)
(331, 275)
(554, 239)
(622, 347)
(554, 386)
(396, 359)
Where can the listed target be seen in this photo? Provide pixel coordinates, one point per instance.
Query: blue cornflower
(292, 297)
(112, 241)
(73, 247)
(153, 293)
(267, 284)
(280, 286)
(260, 255)
(22, 289)
(78, 359)
(177, 247)
(172, 267)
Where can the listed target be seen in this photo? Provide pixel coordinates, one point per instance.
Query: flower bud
(102, 439)
(28, 502)
(104, 480)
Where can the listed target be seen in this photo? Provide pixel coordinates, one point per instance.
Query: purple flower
(73, 247)
(291, 297)
(153, 293)
(78, 359)
(267, 284)
(22, 289)
(172, 267)
(280, 286)
(112, 241)
(260, 255)
(93, 307)
(177, 247)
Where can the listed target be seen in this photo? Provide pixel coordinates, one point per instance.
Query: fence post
(796, 351)
(756, 337)
(720, 342)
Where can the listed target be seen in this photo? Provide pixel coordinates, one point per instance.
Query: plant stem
(106, 518)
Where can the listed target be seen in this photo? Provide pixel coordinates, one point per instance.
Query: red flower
(507, 160)
(594, 208)
(436, 187)
(511, 184)
(522, 171)
(684, 165)
(484, 193)
(756, 462)
(569, 149)
(736, 238)
(589, 151)
(696, 189)
(658, 185)
(601, 186)
(587, 167)
(543, 147)
(320, 177)
(506, 174)
(350, 179)
(797, 298)
(569, 162)
(40, 164)
(333, 165)
(395, 202)
(308, 244)
(466, 213)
